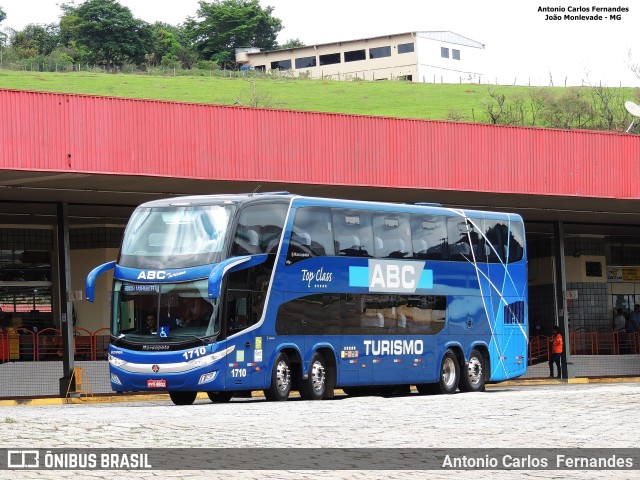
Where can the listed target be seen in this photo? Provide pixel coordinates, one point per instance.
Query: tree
(36, 40)
(633, 66)
(538, 100)
(3, 37)
(495, 106)
(607, 107)
(170, 44)
(164, 42)
(568, 110)
(105, 31)
(291, 43)
(229, 24)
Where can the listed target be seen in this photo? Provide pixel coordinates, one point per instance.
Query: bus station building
(73, 168)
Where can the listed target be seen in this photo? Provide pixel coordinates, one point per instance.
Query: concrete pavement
(146, 397)
(547, 414)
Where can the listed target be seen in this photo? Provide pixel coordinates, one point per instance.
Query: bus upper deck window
(391, 222)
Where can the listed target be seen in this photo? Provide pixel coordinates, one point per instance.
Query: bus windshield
(148, 313)
(175, 237)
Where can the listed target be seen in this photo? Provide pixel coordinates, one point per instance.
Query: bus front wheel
(472, 377)
(220, 397)
(280, 379)
(315, 385)
(183, 398)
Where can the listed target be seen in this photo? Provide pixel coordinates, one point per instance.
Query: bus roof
(217, 199)
(300, 201)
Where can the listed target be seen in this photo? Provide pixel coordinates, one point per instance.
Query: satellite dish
(634, 110)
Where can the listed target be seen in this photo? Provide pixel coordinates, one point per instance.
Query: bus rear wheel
(280, 379)
(472, 377)
(315, 385)
(449, 373)
(449, 377)
(183, 398)
(220, 397)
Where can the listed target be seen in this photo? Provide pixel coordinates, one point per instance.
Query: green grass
(385, 98)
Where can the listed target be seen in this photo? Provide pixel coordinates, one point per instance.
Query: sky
(522, 45)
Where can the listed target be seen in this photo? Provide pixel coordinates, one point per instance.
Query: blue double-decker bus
(228, 294)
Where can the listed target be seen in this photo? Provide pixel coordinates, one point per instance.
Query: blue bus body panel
(486, 307)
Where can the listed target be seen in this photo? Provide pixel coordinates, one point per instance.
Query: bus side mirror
(90, 282)
(230, 265)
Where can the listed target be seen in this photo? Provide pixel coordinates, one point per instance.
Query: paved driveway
(543, 416)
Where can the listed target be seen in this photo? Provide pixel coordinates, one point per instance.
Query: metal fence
(31, 362)
(585, 342)
(23, 344)
(31, 366)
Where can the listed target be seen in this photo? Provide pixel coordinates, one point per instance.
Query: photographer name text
(583, 13)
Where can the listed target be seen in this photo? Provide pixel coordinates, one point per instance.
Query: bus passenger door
(241, 371)
(514, 338)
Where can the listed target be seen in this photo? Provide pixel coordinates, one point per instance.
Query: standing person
(619, 322)
(633, 324)
(556, 352)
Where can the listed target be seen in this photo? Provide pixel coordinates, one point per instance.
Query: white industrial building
(431, 57)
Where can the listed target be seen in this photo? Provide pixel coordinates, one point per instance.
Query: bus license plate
(156, 384)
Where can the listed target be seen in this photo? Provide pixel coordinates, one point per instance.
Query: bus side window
(348, 245)
(420, 248)
(429, 237)
(353, 232)
(301, 246)
(465, 244)
(311, 235)
(515, 246)
(245, 242)
(259, 229)
(302, 239)
(495, 234)
(392, 235)
(478, 242)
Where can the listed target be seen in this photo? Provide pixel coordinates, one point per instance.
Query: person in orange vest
(556, 352)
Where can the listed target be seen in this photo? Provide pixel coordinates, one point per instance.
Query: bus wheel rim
(475, 370)
(282, 376)
(317, 377)
(448, 372)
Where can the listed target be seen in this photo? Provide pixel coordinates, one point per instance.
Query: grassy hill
(465, 102)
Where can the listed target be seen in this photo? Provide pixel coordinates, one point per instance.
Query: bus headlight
(115, 379)
(202, 361)
(115, 361)
(209, 359)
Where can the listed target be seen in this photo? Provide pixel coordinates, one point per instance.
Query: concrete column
(64, 286)
(560, 285)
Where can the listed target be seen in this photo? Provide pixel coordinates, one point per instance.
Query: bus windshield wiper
(204, 340)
